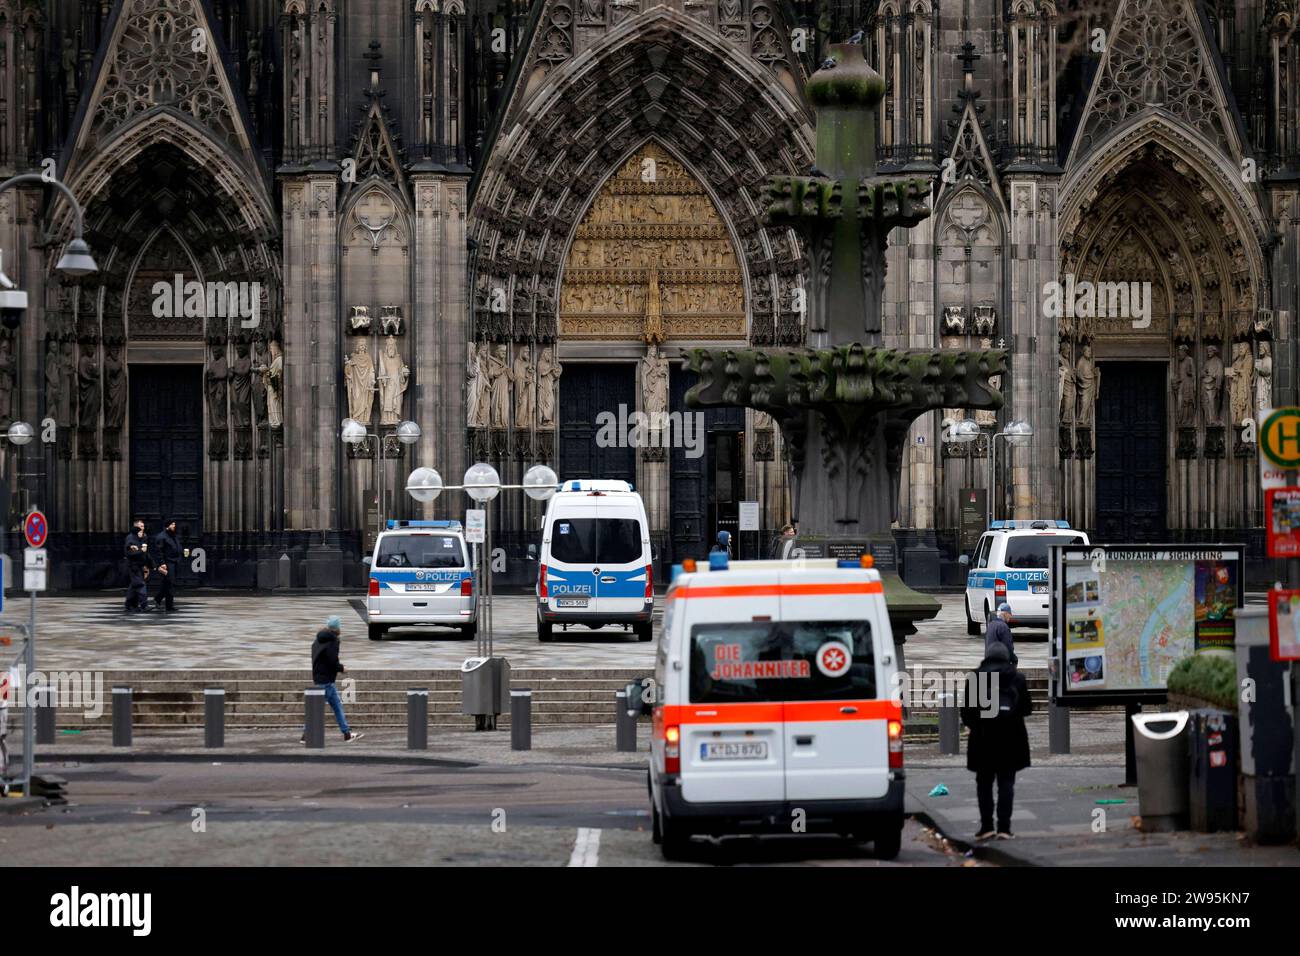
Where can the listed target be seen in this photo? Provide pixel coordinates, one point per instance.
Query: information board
(1124, 615)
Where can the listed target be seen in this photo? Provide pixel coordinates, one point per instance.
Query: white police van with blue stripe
(595, 563)
(1010, 564)
(420, 574)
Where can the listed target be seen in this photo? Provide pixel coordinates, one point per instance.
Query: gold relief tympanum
(652, 260)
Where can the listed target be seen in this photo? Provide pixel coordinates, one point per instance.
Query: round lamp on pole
(962, 432)
(1019, 433)
(540, 482)
(424, 484)
(76, 260)
(353, 431)
(408, 433)
(20, 433)
(482, 483)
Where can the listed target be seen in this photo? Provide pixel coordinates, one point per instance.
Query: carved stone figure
(1264, 378)
(254, 63)
(273, 376)
(114, 387)
(88, 387)
(393, 378)
(954, 320)
(359, 376)
(1185, 388)
(359, 323)
(259, 384)
(1065, 384)
(217, 377)
(498, 373)
(1212, 385)
(985, 417)
(1088, 380)
(476, 387)
(1241, 382)
(390, 320)
(548, 384)
(69, 63)
(593, 11)
(521, 375)
(241, 386)
(56, 385)
(654, 382)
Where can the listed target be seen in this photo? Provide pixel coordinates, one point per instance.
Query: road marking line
(586, 847)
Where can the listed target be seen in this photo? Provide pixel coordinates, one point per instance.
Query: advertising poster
(1282, 522)
(1284, 625)
(1216, 603)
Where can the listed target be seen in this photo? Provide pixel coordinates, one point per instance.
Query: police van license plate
(734, 750)
(424, 586)
(1038, 588)
(571, 602)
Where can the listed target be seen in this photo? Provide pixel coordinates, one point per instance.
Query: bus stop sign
(37, 529)
(1279, 437)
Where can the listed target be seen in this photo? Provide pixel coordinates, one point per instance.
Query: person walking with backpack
(999, 744)
(325, 667)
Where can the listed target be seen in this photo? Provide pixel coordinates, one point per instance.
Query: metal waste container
(1160, 749)
(484, 690)
(1212, 796)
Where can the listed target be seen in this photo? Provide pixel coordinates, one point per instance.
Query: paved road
(313, 814)
(253, 631)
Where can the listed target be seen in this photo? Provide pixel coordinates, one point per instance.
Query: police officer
(167, 552)
(135, 549)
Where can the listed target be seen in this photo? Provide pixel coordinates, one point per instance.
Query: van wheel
(545, 630)
(377, 631)
(972, 625)
(887, 844)
(644, 631)
(469, 631)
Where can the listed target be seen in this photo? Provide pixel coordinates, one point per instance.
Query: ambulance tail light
(541, 582)
(673, 750)
(999, 590)
(466, 587)
(374, 587)
(895, 745)
(649, 584)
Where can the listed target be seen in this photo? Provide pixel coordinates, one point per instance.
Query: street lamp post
(354, 433)
(1016, 433)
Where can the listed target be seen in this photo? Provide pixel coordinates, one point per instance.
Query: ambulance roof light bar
(718, 561)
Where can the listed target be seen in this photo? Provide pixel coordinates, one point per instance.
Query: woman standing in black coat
(999, 743)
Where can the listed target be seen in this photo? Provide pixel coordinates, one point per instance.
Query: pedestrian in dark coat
(135, 549)
(999, 744)
(325, 667)
(167, 552)
(999, 631)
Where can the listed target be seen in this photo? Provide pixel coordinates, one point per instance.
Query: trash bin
(484, 689)
(1212, 751)
(1160, 750)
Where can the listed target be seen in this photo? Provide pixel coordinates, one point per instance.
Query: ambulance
(772, 705)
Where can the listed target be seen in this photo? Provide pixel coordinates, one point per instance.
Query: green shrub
(1208, 677)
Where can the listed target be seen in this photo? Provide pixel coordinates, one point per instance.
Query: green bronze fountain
(844, 402)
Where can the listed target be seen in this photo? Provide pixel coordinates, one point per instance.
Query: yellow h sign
(1279, 437)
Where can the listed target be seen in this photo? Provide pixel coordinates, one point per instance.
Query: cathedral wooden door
(587, 390)
(167, 446)
(1132, 442)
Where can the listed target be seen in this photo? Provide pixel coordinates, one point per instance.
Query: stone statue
(1185, 388)
(393, 378)
(259, 384)
(593, 11)
(1241, 384)
(114, 387)
(254, 63)
(359, 376)
(241, 386)
(273, 377)
(476, 386)
(88, 387)
(654, 382)
(1088, 380)
(7, 379)
(218, 381)
(498, 374)
(69, 63)
(1264, 378)
(521, 375)
(1212, 385)
(548, 384)
(56, 399)
(1065, 384)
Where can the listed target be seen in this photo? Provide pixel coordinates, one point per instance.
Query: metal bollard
(521, 719)
(417, 718)
(949, 726)
(46, 712)
(214, 717)
(314, 703)
(624, 724)
(121, 716)
(1058, 729)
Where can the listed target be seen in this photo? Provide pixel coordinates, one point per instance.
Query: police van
(773, 705)
(1010, 564)
(420, 574)
(595, 565)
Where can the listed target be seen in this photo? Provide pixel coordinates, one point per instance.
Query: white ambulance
(772, 709)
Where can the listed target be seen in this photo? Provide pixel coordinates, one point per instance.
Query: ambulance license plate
(571, 602)
(734, 750)
(1039, 588)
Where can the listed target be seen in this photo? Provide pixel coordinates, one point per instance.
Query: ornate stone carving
(523, 379)
(986, 319)
(476, 386)
(114, 401)
(393, 377)
(954, 320)
(359, 321)
(8, 369)
(273, 378)
(498, 378)
(654, 382)
(548, 387)
(1212, 387)
(1264, 378)
(1186, 447)
(1184, 385)
(1066, 384)
(359, 377)
(1241, 383)
(1088, 381)
(390, 320)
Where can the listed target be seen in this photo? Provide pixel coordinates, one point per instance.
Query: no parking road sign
(36, 529)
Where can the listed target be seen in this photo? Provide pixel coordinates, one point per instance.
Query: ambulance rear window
(782, 660)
